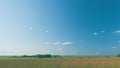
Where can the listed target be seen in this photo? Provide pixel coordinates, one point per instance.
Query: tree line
(40, 56)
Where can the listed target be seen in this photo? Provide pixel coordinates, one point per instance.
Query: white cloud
(57, 43)
(46, 31)
(30, 28)
(60, 49)
(117, 32)
(66, 43)
(102, 31)
(97, 52)
(62, 43)
(46, 43)
(118, 41)
(48, 51)
(95, 33)
(114, 47)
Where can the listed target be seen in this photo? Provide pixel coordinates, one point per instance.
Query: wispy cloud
(67, 43)
(62, 43)
(47, 43)
(48, 51)
(60, 49)
(46, 31)
(118, 41)
(102, 31)
(95, 33)
(114, 47)
(57, 43)
(97, 52)
(117, 32)
(30, 28)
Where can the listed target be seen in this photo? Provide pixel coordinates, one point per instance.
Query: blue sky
(74, 27)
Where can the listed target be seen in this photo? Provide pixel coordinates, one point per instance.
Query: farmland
(66, 62)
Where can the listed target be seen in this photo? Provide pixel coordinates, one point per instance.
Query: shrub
(118, 55)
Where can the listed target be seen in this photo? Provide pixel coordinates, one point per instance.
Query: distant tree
(80, 57)
(46, 56)
(108, 56)
(37, 56)
(24, 55)
(56, 56)
(15, 56)
(43, 56)
(118, 55)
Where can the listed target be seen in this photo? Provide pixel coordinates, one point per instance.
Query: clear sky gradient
(63, 27)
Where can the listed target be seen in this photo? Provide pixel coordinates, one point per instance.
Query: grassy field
(73, 62)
